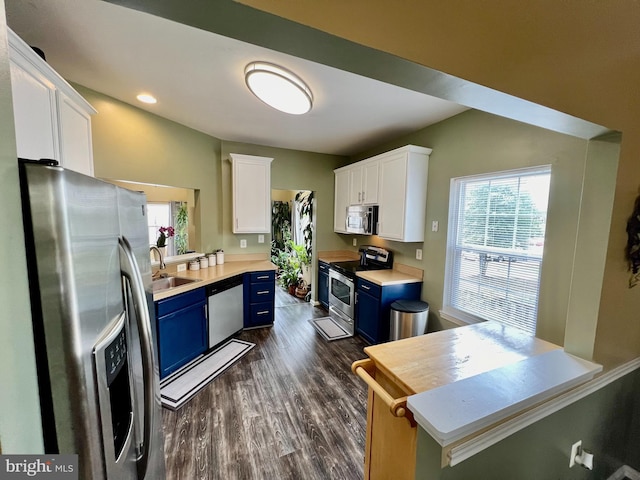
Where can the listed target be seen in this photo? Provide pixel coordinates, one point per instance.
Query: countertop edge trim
(485, 440)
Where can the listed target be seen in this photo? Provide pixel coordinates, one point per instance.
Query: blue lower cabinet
(259, 299)
(182, 329)
(323, 284)
(373, 307)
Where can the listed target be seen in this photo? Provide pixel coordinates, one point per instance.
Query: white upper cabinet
(363, 183)
(251, 177)
(403, 193)
(76, 147)
(34, 110)
(341, 200)
(51, 119)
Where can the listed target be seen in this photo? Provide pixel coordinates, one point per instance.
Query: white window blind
(495, 245)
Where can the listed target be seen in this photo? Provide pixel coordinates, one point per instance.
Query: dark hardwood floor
(289, 409)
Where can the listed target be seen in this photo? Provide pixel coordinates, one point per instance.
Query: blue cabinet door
(323, 284)
(367, 316)
(182, 336)
(373, 307)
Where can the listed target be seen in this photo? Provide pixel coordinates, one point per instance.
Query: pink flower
(165, 232)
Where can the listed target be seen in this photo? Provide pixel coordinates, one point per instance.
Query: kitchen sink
(170, 282)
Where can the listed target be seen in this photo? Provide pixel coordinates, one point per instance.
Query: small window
(159, 215)
(495, 247)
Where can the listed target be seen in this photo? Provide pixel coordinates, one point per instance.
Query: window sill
(459, 318)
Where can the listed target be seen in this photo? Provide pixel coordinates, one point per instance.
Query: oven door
(341, 293)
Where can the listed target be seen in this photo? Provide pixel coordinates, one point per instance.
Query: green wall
(541, 451)
(132, 144)
(474, 142)
(155, 150)
(20, 428)
(290, 170)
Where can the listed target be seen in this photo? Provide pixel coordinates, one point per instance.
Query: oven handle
(397, 406)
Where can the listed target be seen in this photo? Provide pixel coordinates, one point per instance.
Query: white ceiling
(198, 79)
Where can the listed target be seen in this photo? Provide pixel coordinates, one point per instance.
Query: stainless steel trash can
(408, 319)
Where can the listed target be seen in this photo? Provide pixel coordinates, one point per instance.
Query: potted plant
(165, 233)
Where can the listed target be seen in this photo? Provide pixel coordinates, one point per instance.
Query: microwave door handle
(365, 223)
(129, 268)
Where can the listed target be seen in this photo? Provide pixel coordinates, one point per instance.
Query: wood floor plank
(289, 409)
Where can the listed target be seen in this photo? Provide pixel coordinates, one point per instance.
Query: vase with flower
(164, 234)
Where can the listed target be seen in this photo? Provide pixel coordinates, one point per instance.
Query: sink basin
(170, 282)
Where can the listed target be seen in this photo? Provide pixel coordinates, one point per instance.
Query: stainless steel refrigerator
(90, 282)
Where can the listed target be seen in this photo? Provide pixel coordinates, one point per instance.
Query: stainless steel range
(342, 283)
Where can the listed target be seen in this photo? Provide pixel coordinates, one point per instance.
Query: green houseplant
(182, 225)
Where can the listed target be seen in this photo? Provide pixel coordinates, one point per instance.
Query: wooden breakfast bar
(406, 368)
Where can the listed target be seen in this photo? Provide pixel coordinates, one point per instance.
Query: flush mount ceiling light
(278, 87)
(146, 98)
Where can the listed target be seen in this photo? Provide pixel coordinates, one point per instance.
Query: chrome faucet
(162, 264)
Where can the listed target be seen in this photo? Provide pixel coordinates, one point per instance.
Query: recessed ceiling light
(278, 87)
(146, 98)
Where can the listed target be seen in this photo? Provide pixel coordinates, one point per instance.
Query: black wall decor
(632, 251)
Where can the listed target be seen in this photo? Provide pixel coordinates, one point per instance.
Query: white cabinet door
(363, 183)
(393, 184)
(341, 201)
(403, 194)
(370, 183)
(355, 186)
(51, 119)
(34, 111)
(75, 136)
(251, 193)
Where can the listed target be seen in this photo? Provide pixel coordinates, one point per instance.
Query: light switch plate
(418, 254)
(182, 267)
(260, 238)
(243, 243)
(434, 226)
(355, 242)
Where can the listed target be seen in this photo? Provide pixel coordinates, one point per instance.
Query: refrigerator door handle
(130, 270)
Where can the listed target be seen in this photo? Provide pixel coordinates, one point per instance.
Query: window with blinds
(494, 247)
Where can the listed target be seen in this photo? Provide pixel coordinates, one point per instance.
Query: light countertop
(398, 275)
(429, 361)
(462, 380)
(388, 277)
(338, 256)
(209, 275)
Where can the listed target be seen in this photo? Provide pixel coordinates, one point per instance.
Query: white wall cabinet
(403, 194)
(396, 181)
(51, 119)
(341, 200)
(251, 177)
(363, 183)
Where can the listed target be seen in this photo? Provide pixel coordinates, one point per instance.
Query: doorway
(292, 228)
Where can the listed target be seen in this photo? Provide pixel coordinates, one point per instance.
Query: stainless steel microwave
(362, 219)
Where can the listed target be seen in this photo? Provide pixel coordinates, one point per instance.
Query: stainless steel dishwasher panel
(225, 309)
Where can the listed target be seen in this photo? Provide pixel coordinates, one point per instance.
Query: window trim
(449, 312)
